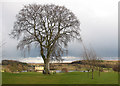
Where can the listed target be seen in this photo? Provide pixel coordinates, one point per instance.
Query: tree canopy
(49, 27)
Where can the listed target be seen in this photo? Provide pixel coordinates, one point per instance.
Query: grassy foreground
(60, 78)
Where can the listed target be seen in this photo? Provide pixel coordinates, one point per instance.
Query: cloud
(67, 59)
(32, 60)
(40, 60)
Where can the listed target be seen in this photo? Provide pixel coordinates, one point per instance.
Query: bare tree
(49, 27)
(2, 44)
(98, 64)
(1, 47)
(90, 59)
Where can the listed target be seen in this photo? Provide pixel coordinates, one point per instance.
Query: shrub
(116, 68)
(65, 70)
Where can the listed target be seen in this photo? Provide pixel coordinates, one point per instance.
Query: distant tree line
(14, 66)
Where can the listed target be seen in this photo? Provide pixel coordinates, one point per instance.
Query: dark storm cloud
(98, 27)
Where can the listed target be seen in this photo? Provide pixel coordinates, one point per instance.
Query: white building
(39, 68)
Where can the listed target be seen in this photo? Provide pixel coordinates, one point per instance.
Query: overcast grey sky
(99, 25)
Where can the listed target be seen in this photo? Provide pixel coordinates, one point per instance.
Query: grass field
(60, 78)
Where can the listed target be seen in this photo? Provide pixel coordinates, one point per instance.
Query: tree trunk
(99, 71)
(92, 73)
(46, 67)
(88, 73)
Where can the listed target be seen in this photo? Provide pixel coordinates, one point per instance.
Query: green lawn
(60, 78)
